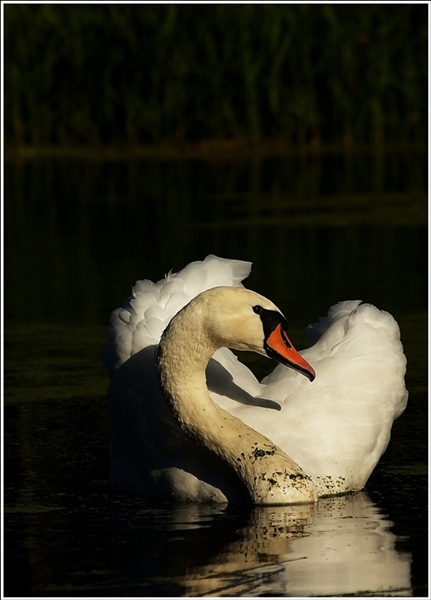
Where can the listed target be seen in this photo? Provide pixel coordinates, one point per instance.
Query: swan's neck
(269, 475)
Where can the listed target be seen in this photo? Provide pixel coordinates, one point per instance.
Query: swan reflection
(342, 545)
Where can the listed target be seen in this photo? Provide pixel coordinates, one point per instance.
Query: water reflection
(342, 546)
(318, 229)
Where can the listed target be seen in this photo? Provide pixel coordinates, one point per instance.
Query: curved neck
(269, 475)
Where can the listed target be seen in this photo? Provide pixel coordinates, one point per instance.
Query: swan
(188, 421)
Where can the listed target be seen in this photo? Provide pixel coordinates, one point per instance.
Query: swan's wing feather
(143, 317)
(336, 312)
(340, 424)
(224, 271)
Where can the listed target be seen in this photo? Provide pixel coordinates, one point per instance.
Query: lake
(318, 228)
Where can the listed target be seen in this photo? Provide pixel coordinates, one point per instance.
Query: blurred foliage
(139, 74)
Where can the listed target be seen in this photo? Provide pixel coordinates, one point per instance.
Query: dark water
(318, 229)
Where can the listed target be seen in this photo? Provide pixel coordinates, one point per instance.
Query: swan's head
(238, 318)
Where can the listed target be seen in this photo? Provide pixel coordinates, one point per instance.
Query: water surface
(318, 229)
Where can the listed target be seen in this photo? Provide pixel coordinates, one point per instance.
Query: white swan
(315, 439)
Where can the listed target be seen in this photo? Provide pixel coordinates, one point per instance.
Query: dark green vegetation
(144, 74)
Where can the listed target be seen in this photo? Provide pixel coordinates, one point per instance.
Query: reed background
(300, 75)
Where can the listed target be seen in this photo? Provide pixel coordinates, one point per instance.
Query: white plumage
(335, 428)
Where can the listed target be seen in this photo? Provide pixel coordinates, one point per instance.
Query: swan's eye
(258, 309)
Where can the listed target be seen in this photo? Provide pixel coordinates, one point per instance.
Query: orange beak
(279, 347)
